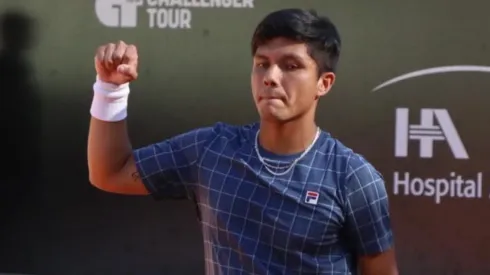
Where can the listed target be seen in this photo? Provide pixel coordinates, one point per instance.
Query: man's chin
(273, 117)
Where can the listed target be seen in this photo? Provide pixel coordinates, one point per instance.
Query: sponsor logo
(160, 14)
(312, 197)
(435, 125)
(452, 186)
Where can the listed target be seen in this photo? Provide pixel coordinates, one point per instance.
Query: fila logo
(435, 125)
(312, 197)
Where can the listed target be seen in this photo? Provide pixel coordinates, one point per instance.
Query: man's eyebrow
(287, 56)
(260, 56)
(291, 56)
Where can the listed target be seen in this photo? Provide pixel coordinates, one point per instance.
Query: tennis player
(280, 196)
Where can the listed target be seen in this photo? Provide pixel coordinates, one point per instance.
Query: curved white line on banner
(435, 70)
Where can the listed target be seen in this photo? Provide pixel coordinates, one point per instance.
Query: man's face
(285, 80)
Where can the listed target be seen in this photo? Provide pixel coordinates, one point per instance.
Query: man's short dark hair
(317, 32)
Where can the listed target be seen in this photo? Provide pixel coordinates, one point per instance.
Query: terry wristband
(110, 102)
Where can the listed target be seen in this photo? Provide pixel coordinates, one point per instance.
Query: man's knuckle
(100, 49)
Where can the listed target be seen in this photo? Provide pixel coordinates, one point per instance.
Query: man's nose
(271, 77)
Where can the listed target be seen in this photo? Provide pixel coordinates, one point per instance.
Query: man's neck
(287, 138)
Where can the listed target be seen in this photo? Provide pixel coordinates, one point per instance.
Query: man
(276, 197)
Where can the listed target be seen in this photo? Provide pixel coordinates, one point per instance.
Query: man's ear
(325, 83)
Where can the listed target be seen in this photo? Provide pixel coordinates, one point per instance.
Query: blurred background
(194, 70)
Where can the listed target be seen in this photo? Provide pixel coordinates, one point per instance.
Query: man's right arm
(164, 169)
(111, 164)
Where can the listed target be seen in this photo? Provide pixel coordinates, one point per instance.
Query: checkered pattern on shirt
(256, 223)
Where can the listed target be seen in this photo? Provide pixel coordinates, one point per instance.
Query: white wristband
(110, 102)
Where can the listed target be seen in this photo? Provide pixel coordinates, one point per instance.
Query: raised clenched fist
(117, 63)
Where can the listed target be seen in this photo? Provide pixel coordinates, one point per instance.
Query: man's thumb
(127, 70)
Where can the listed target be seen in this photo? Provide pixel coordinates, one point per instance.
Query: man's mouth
(270, 98)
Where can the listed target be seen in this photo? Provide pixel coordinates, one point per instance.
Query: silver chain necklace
(291, 165)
